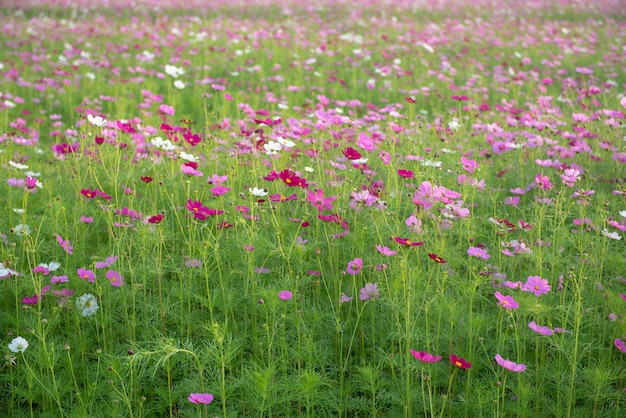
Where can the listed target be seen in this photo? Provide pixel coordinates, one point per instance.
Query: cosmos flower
(507, 302)
(509, 365)
(87, 304)
(425, 357)
(355, 266)
(461, 363)
(285, 295)
(536, 285)
(200, 398)
(18, 345)
(369, 292)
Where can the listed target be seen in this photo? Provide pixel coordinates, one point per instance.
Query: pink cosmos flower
(542, 330)
(217, 179)
(285, 295)
(570, 176)
(469, 165)
(543, 182)
(200, 398)
(191, 171)
(478, 252)
(167, 110)
(620, 345)
(115, 278)
(536, 285)
(425, 357)
(386, 251)
(219, 190)
(86, 274)
(59, 279)
(355, 266)
(104, 264)
(507, 302)
(317, 199)
(509, 365)
(370, 291)
(385, 157)
(345, 298)
(41, 269)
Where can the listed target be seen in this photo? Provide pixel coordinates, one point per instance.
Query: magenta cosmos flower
(355, 266)
(200, 398)
(461, 363)
(507, 302)
(509, 365)
(407, 242)
(425, 357)
(620, 345)
(536, 285)
(285, 295)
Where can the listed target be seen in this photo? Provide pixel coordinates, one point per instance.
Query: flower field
(267, 208)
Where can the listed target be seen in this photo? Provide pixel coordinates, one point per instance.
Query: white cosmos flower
(179, 84)
(87, 304)
(6, 272)
(272, 147)
(623, 213)
(285, 142)
(255, 191)
(22, 229)
(97, 120)
(17, 165)
(432, 163)
(612, 235)
(18, 345)
(174, 71)
(52, 266)
(188, 157)
(309, 169)
(428, 47)
(164, 144)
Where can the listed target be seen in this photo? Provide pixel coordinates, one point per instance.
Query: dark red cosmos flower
(191, 164)
(407, 242)
(437, 258)
(156, 219)
(410, 99)
(292, 180)
(351, 154)
(461, 363)
(146, 179)
(99, 140)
